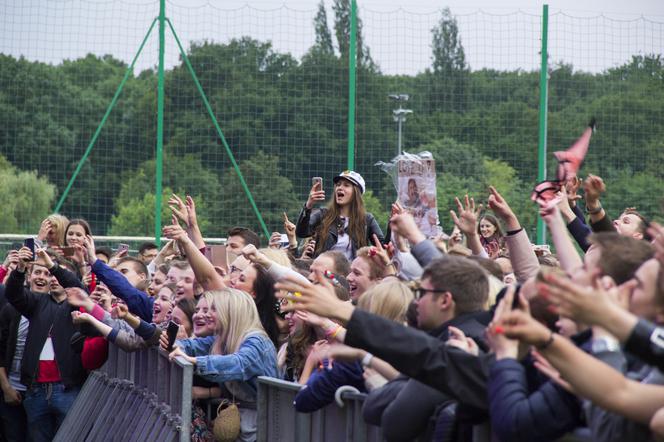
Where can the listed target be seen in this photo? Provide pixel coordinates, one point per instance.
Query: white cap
(353, 177)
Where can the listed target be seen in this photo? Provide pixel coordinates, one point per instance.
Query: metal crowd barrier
(278, 420)
(139, 396)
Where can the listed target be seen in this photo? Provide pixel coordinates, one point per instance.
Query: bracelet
(547, 343)
(594, 211)
(366, 360)
(332, 333)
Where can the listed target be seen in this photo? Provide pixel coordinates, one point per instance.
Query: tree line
(286, 120)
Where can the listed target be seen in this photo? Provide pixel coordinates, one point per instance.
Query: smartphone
(542, 250)
(122, 248)
(216, 254)
(16, 246)
(68, 251)
(172, 333)
(284, 241)
(30, 244)
(317, 180)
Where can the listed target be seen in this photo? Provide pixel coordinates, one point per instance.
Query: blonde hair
(389, 299)
(277, 255)
(59, 224)
(237, 317)
(375, 269)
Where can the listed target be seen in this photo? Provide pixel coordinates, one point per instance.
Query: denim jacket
(255, 357)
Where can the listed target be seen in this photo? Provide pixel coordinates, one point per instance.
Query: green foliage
(136, 216)
(183, 175)
(376, 208)
(323, 35)
(285, 120)
(26, 199)
(272, 192)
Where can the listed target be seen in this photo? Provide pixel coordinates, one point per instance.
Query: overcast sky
(591, 35)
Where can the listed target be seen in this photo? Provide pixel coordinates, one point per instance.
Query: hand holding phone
(122, 249)
(172, 333)
(317, 193)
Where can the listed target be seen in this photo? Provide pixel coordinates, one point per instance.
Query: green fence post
(543, 109)
(129, 70)
(352, 61)
(160, 124)
(219, 131)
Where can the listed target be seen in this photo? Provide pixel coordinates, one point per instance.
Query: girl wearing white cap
(344, 225)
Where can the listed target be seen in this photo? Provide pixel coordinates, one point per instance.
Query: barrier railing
(139, 396)
(278, 420)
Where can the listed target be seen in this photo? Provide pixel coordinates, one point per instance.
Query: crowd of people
(442, 334)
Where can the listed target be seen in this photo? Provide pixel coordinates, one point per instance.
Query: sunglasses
(421, 292)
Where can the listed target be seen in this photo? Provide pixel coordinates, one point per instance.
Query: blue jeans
(14, 421)
(46, 406)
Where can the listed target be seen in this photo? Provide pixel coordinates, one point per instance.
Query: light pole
(399, 115)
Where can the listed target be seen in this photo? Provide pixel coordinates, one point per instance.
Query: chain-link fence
(277, 82)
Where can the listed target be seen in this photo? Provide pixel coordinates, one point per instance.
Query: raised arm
(137, 301)
(523, 258)
(567, 254)
(466, 221)
(203, 269)
(631, 399)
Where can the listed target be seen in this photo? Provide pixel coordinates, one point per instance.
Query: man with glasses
(453, 291)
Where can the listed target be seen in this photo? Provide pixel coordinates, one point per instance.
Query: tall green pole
(544, 99)
(110, 107)
(160, 124)
(352, 61)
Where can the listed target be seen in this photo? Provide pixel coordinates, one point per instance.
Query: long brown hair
(357, 223)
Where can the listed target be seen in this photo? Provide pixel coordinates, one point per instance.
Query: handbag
(226, 426)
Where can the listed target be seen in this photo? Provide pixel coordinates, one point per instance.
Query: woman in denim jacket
(236, 355)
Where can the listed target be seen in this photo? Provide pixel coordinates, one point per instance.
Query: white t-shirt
(343, 242)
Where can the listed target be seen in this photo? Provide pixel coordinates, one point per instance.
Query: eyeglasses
(421, 292)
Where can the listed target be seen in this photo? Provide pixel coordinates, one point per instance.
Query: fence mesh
(277, 81)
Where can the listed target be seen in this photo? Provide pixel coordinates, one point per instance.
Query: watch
(600, 345)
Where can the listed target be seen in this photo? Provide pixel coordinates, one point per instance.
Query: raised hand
(403, 224)
(320, 299)
(589, 305)
(24, 256)
(378, 252)
(289, 227)
(275, 241)
(593, 187)
(179, 208)
(191, 210)
(174, 231)
(44, 230)
(309, 249)
(316, 194)
(502, 209)
(468, 216)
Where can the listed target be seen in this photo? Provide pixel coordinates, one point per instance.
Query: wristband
(331, 333)
(366, 360)
(547, 343)
(594, 211)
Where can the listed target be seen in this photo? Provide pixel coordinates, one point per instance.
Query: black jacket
(408, 415)
(9, 322)
(308, 223)
(46, 315)
(422, 357)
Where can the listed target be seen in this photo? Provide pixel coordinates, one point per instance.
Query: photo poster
(416, 186)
